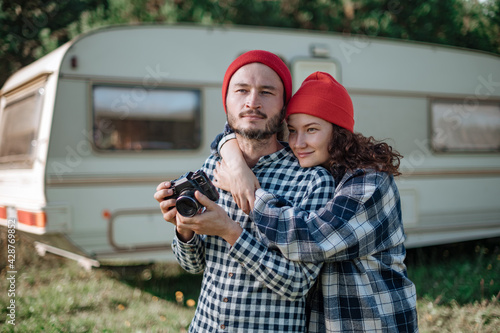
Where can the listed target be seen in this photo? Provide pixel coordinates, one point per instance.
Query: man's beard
(273, 126)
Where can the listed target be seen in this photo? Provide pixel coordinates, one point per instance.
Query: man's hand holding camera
(183, 204)
(213, 221)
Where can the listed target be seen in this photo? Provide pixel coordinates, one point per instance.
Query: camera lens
(187, 205)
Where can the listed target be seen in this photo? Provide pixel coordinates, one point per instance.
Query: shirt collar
(276, 156)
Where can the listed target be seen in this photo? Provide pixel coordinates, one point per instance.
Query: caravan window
(19, 125)
(137, 119)
(465, 126)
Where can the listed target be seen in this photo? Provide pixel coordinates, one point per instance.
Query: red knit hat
(264, 57)
(320, 95)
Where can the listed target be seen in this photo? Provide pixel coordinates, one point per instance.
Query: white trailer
(88, 131)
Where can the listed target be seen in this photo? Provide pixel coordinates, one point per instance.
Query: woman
(363, 286)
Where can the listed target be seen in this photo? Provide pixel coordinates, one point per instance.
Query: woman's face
(309, 139)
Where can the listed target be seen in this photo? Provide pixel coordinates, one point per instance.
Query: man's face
(254, 102)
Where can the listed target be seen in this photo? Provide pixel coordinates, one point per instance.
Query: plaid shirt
(250, 287)
(359, 235)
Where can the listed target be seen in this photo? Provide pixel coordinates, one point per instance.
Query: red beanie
(320, 95)
(264, 57)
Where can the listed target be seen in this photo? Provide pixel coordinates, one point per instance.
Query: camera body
(184, 188)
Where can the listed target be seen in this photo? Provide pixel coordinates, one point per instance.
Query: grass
(458, 288)
(460, 273)
(61, 297)
(54, 294)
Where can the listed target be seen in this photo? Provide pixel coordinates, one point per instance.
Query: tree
(32, 28)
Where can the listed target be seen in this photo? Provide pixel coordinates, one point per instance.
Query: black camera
(184, 189)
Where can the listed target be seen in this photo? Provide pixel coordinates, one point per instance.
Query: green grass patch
(63, 297)
(54, 294)
(163, 280)
(461, 273)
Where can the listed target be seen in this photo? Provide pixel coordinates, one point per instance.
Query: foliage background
(30, 29)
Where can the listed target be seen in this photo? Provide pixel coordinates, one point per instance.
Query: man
(248, 287)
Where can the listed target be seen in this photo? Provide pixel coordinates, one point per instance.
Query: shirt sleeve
(190, 255)
(221, 138)
(291, 279)
(363, 218)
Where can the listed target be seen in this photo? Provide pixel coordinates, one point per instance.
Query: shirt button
(230, 274)
(225, 300)
(223, 327)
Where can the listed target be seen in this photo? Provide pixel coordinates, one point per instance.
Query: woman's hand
(234, 175)
(240, 181)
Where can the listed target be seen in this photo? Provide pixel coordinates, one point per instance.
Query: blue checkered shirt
(359, 235)
(250, 287)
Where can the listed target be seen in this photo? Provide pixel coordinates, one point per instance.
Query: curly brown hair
(351, 151)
